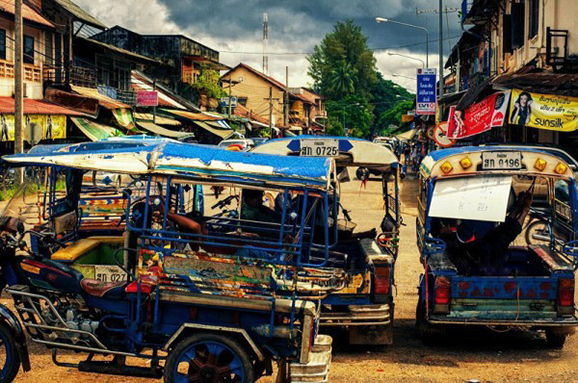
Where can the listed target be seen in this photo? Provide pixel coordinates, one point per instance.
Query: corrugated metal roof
(35, 107)
(541, 82)
(105, 101)
(80, 13)
(114, 49)
(28, 13)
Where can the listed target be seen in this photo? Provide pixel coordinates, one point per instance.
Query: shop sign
(544, 111)
(426, 91)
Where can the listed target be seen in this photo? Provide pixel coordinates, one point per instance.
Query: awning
(160, 131)
(158, 119)
(192, 115)
(223, 133)
(36, 107)
(94, 130)
(407, 136)
(121, 112)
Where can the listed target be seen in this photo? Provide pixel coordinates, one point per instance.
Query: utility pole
(154, 107)
(441, 57)
(18, 88)
(286, 101)
(271, 110)
(230, 85)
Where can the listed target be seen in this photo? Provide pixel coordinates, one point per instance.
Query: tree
(343, 54)
(353, 113)
(387, 95)
(209, 85)
(393, 116)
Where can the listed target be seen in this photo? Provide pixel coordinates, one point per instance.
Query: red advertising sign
(480, 117)
(146, 98)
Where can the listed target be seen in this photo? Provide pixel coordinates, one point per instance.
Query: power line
(309, 53)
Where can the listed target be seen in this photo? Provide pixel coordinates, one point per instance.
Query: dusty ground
(480, 355)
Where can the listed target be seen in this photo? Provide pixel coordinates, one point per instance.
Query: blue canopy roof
(439, 155)
(145, 155)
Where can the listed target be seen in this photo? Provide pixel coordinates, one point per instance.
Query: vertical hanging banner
(426, 91)
(544, 111)
(480, 117)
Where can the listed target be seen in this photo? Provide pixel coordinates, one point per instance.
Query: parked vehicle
(473, 273)
(219, 301)
(366, 305)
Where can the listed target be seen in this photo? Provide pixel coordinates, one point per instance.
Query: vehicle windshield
(23, 206)
(223, 144)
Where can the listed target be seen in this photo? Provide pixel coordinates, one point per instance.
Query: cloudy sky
(234, 28)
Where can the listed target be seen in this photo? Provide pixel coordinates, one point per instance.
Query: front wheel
(9, 358)
(537, 233)
(209, 358)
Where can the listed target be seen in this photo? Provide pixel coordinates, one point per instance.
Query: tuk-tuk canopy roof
(353, 151)
(454, 159)
(146, 155)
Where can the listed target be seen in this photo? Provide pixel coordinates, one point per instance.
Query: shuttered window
(534, 18)
(518, 25)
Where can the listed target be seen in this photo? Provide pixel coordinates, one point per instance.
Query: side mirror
(20, 227)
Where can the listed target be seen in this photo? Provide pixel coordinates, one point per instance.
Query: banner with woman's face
(543, 111)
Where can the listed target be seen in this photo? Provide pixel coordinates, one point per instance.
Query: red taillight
(566, 293)
(442, 291)
(382, 280)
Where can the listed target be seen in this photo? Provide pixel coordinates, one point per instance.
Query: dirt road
(480, 355)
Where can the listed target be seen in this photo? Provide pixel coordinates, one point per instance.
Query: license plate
(109, 273)
(502, 161)
(319, 148)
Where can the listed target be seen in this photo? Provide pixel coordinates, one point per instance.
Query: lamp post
(385, 20)
(407, 57)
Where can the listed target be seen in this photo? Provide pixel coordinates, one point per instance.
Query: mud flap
(380, 335)
(11, 320)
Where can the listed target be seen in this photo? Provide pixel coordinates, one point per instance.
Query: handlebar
(226, 202)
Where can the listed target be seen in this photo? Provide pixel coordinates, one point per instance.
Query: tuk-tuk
(201, 298)
(478, 269)
(365, 305)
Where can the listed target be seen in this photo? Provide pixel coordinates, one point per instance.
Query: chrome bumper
(317, 369)
(365, 315)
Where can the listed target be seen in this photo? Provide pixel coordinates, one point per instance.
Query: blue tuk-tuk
(478, 268)
(221, 302)
(365, 306)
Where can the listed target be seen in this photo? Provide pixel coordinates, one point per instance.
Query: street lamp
(384, 20)
(407, 57)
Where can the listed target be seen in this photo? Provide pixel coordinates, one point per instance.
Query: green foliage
(393, 116)
(343, 69)
(352, 112)
(343, 63)
(208, 83)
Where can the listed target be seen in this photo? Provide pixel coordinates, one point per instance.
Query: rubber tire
(530, 241)
(8, 336)
(428, 333)
(556, 338)
(241, 352)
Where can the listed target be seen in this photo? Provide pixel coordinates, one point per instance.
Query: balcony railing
(79, 76)
(31, 73)
(125, 96)
(557, 48)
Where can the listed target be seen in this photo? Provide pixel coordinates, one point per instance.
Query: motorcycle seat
(99, 289)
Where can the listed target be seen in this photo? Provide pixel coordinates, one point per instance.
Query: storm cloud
(234, 27)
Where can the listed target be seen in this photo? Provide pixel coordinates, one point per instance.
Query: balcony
(79, 76)
(557, 55)
(31, 73)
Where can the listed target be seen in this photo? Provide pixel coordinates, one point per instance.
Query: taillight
(382, 280)
(442, 291)
(566, 297)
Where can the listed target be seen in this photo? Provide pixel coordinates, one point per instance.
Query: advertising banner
(544, 111)
(42, 126)
(480, 117)
(426, 91)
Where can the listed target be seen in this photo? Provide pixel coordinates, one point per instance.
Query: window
(28, 50)
(3, 44)
(518, 21)
(534, 18)
(242, 101)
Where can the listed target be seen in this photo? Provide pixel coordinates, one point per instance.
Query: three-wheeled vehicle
(478, 269)
(366, 304)
(198, 297)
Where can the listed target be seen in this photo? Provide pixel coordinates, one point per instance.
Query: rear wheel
(9, 358)
(556, 337)
(429, 334)
(209, 358)
(537, 233)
